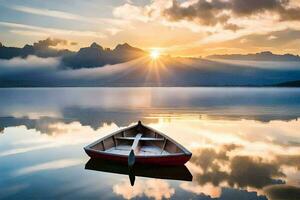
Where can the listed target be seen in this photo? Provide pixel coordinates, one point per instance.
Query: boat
(139, 144)
(177, 172)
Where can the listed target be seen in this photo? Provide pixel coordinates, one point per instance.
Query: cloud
(203, 11)
(282, 192)
(29, 33)
(66, 15)
(47, 12)
(53, 165)
(206, 157)
(232, 193)
(183, 26)
(254, 172)
(154, 188)
(208, 22)
(29, 63)
(50, 43)
(207, 189)
(232, 27)
(53, 32)
(129, 11)
(32, 69)
(42, 134)
(73, 43)
(210, 192)
(51, 71)
(112, 25)
(218, 11)
(147, 13)
(289, 160)
(250, 7)
(272, 37)
(25, 150)
(242, 171)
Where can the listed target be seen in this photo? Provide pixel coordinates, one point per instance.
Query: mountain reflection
(117, 104)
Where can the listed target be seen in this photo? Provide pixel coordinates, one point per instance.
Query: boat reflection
(151, 171)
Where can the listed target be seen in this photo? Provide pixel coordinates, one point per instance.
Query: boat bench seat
(141, 139)
(144, 151)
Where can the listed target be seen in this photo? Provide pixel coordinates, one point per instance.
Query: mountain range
(40, 65)
(87, 57)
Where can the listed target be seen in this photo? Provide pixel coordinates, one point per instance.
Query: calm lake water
(245, 142)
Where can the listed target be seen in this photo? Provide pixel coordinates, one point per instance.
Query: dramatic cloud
(206, 157)
(254, 172)
(282, 192)
(218, 11)
(242, 171)
(204, 12)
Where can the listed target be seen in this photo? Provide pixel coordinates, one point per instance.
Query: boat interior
(144, 142)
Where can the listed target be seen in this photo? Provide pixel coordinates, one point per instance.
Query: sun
(154, 54)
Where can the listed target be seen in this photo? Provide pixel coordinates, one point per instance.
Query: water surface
(245, 142)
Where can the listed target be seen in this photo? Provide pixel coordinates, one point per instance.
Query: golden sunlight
(154, 54)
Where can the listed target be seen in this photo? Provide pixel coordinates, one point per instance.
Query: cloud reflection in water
(253, 156)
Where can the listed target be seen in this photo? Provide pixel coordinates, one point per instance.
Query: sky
(175, 27)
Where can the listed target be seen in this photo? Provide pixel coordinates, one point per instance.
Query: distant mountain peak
(28, 48)
(261, 56)
(95, 56)
(124, 46)
(96, 46)
(265, 53)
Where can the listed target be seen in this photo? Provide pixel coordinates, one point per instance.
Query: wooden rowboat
(139, 144)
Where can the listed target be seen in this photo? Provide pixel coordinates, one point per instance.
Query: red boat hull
(155, 160)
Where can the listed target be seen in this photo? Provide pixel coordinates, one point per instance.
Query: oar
(131, 156)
